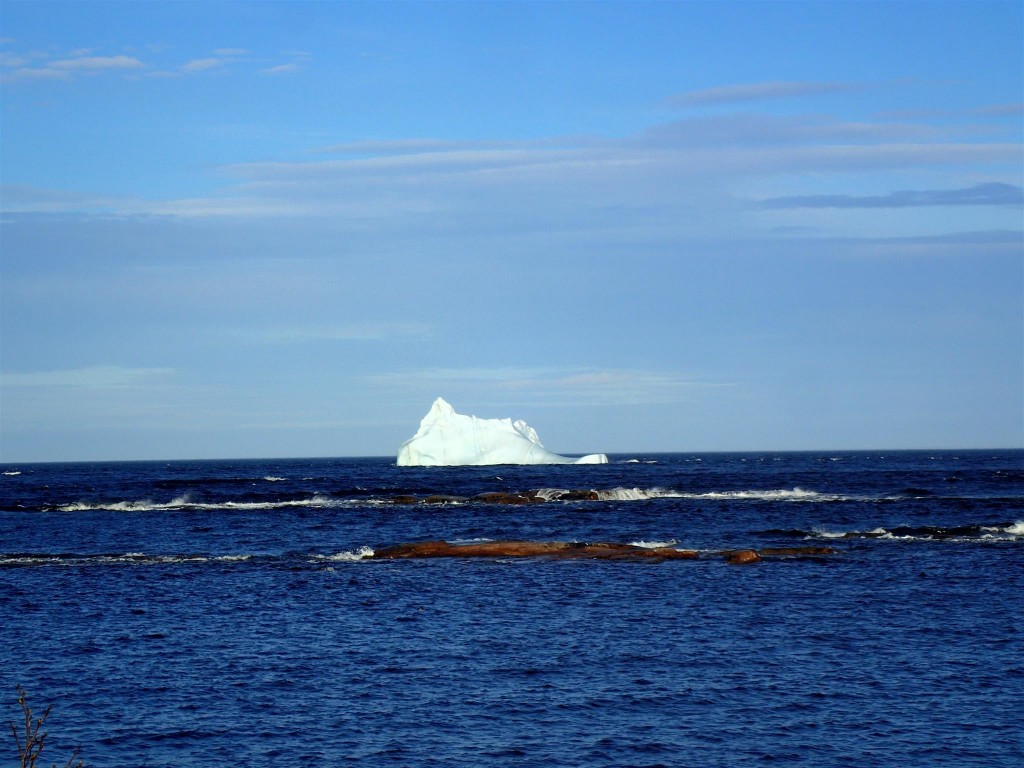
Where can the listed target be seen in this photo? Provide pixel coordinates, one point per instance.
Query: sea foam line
(641, 494)
(1010, 532)
(127, 558)
(348, 556)
(184, 503)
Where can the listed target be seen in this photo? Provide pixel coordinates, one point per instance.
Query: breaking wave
(347, 557)
(127, 558)
(641, 494)
(974, 532)
(358, 496)
(185, 503)
(654, 544)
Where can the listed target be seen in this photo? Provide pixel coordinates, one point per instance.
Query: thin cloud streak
(75, 64)
(664, 176)
(746, 92)
(981, 194)
(67, 69)
(199, 65)
(97, 377)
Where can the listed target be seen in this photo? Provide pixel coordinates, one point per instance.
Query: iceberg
(447, 438)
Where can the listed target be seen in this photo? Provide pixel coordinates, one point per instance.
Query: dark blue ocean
(226, 613)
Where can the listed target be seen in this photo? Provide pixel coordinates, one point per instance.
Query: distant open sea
(228, 613)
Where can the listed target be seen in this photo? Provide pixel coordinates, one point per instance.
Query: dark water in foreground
(222, 614)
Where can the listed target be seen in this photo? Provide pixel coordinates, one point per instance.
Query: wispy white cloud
(79, 62)
(992, 110)
(221, 58)
(746, 92)
(200, 65)
(692, 177)
(281, 68)
(16, 68)
(981, 194)
(298, 60)
(93, 63)
(97, 377)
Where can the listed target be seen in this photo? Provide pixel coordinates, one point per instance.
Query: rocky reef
(571, 550)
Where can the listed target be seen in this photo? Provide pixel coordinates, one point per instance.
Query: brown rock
(741, 557)
(419, 549)
(558, 549)
(674, 554)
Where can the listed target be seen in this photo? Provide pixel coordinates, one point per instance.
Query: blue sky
(282, 229)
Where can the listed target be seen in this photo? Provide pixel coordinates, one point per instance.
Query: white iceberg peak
(447, 438)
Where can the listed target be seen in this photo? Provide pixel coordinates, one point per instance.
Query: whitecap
(794, 494)
(183, 502)
(351, 557)
(632, 494)
(125, 506)
(653, 544)
(830, 534)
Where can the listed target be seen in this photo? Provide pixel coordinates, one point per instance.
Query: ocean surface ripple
(230, 613)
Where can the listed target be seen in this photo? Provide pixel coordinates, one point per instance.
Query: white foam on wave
(1012, 531)
(633, 494)
(125, 506)
(653, 544)
(127, 558)
(273, 479)
(184, 503)
(642, 494)
(830, 534)
(989, 533)
(347, 557)
(794, 494)
(12, 474)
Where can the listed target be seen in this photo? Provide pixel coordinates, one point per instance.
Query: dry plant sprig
(31, 745)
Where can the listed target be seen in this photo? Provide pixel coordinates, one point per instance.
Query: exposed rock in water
(552, 549)
(404, 500)
(741, 557)
(570, 550)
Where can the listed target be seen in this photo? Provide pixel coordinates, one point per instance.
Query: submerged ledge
(566, 550)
